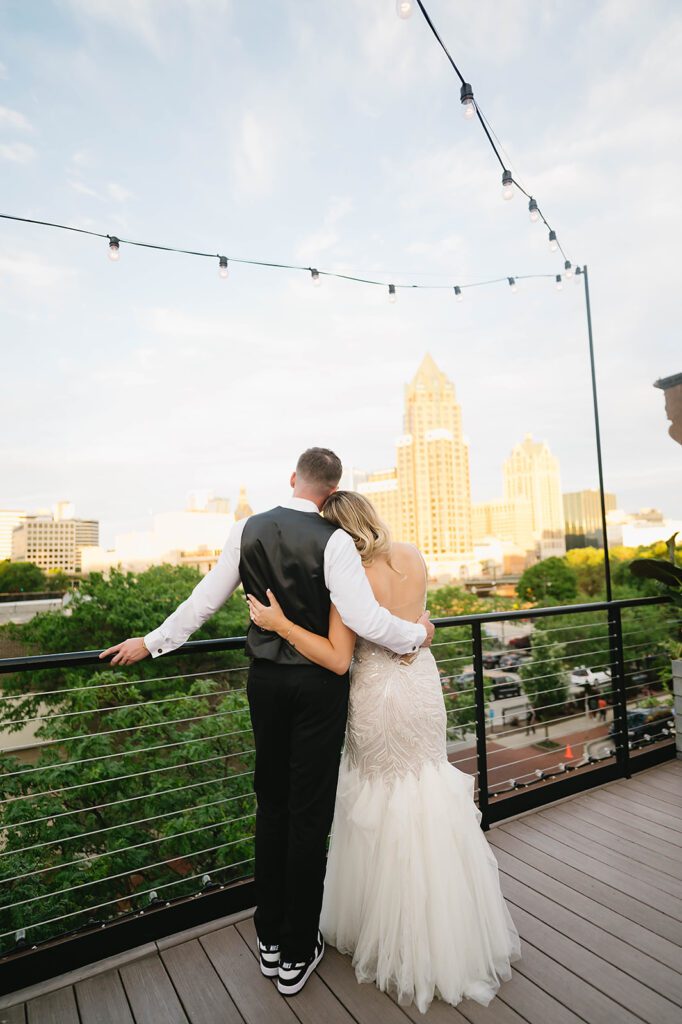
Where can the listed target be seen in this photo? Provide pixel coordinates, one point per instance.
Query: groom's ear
(292, 481)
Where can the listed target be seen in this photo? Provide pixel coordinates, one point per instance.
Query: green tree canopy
(20, 577)
(551, 581)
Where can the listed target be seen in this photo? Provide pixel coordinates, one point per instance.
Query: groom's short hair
(320, 467)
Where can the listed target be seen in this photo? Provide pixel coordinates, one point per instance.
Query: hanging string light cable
(115, 243)
(472, 109)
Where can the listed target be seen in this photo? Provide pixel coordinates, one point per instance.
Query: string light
(512, 284)
(404, 8)
(559, 283)
(115, 244)
(472, 109)
(568, 270)
(553, 243)
(507, 184)
(466, 98)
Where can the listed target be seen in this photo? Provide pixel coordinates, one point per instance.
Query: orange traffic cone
(569, 752)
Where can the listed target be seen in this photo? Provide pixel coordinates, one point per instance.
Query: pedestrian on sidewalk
(530, 720)
(602, 708)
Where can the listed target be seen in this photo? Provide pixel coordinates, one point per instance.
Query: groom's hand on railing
(128, 652)
(425, 620)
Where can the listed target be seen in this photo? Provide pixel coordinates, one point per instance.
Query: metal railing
(127, 809)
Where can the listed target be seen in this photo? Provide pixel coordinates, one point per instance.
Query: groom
(298, 709)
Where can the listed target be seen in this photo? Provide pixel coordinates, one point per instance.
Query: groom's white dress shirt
(344, 577)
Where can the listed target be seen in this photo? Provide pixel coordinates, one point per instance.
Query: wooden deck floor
(594, 884)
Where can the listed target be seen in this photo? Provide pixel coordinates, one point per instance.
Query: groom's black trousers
(299, 715)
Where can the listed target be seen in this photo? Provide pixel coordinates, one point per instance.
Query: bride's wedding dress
(412, 889)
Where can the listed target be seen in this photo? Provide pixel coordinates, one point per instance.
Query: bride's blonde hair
(357, 516)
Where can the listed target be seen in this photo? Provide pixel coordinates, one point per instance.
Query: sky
(330, 135)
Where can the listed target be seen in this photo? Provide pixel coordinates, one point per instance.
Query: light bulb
(315, 274)
(224, 270)
(578, 274)
(559, 283)
(458, 293)
(507, 185)
(568, 270)
(391, 293)
(404, 8)
(512, 283)
(466, 96)
(553, 244)
(533, 211)
(114, 248)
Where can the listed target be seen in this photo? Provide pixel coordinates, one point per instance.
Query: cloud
(14, 119)
(118, 192)
(85, 190)
(33, 272)
(153, 22)
(326, 237)
(16, 152)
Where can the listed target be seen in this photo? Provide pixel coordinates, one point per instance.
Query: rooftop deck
(594, 884)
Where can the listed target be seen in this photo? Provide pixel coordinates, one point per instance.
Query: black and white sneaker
(269, 959)
(292, 977)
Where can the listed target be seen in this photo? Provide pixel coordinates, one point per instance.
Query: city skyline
(155, 377)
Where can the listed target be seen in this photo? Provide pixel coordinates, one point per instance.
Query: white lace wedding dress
(412, 888)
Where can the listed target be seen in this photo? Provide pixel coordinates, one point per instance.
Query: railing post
(619, 690)
(481, 746)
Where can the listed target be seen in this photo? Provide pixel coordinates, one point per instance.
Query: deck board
(102, 1000)
(202, 993)
(594, 884)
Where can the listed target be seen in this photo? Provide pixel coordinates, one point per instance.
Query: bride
(412, 889)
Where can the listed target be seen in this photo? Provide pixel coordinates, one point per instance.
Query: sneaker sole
(269, 972)
(291, 990)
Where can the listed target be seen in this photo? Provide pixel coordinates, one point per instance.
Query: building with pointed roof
(426, 498)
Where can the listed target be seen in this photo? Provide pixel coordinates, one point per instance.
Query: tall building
(532, 472)
(507, 520)
(194, 536)
(54, 540)
(582, 515)
(243, 509)
(9, 518)
(426, 498)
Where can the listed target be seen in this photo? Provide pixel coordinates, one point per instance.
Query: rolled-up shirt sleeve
(354, 599)
(210, 594)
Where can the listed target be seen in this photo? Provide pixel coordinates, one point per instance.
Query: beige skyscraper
(532, 472)
(426, 499)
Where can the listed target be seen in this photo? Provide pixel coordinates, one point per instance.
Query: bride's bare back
(402, 588)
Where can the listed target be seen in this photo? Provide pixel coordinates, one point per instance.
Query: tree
(549, 582)
(588, 566)
(20, 577)
(143, 781)
(544, 676)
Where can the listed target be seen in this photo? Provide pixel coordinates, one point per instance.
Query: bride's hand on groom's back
(267, 616)
(425, 620)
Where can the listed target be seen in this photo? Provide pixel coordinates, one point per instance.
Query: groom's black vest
(283, 549)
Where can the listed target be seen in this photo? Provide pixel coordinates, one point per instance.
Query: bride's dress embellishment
(412, 888)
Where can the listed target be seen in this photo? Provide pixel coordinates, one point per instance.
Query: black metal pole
(481, 743)
(595, 403)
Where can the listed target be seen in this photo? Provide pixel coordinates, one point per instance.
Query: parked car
(646, 722)
(505, 684)
(491, 659)
(581, 677)
(464, 680)
(513, 660)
